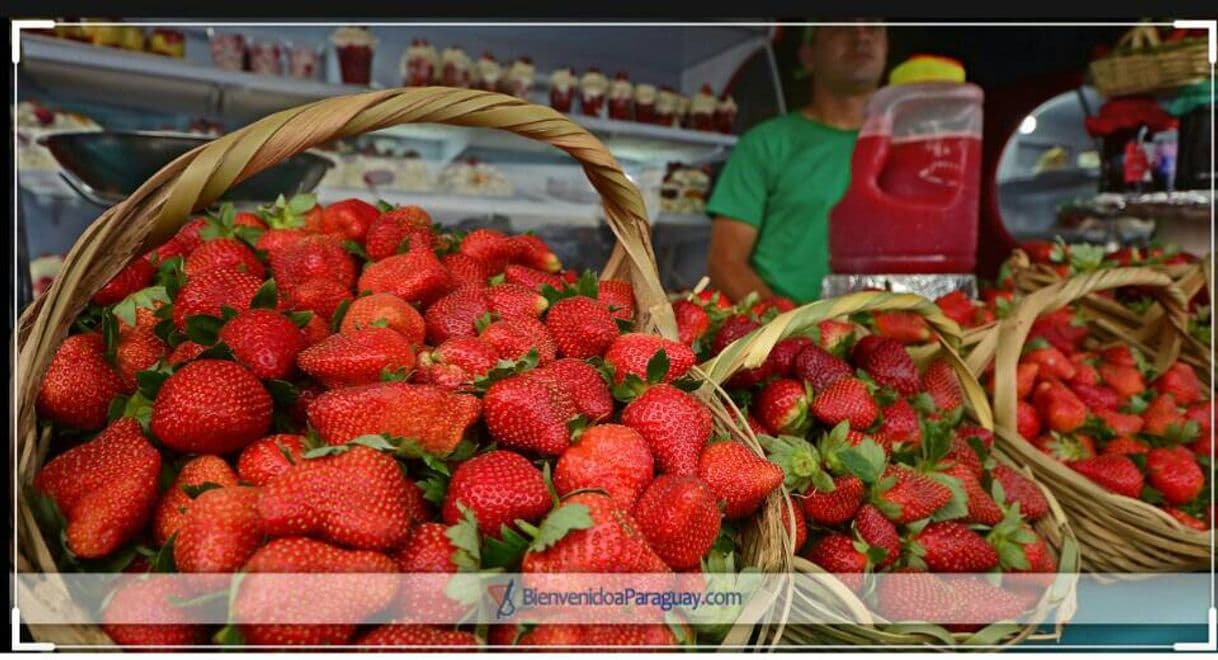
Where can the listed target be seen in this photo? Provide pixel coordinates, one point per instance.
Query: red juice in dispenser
(912, 204)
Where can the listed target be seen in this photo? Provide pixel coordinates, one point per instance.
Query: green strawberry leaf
(149, 381)
(109, 327)
(171, 276)
(301, 203)
(657, 367)
(144, 298)
(88, 319)
(203, 329)
(382, 206)
(483, 321)
(624, 325)
(116, 408)
(250, 235)
(356, 249)
(282, 392)
(1152, 495)
(139, 408)
(336, 321)
(267, 296)
(301, 318)
(229, 635)
(924, 403)
(464, 537)
(629, 389)
(1097, 428)
(194, 490)
(227, 313)
(865, 460)
(435, 489)
(799, 460)
(506, 551)
(401, 374)
(559, 522)
(496, 280)
(163, 561)
(1137, 404)
(218, 351)
(957, 506)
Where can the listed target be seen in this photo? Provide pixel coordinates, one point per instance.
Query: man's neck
(836, 109)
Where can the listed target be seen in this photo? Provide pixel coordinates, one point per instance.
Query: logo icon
(502, 595)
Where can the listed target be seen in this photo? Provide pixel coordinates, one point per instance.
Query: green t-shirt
(783, 178)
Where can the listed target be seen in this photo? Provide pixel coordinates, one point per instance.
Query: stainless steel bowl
(105, 167)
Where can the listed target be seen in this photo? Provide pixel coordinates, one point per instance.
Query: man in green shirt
(770, 206)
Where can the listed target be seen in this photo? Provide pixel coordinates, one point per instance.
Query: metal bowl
(105, 167)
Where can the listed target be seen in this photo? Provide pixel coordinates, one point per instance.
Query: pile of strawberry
(349, 388)
(1105, 413)
(886, 474)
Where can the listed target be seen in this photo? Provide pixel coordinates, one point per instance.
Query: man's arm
(731, 245)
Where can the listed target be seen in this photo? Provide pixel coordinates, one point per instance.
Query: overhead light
(1028, 125)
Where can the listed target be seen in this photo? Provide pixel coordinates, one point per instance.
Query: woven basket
(155, 211)
(1143, 64)
(830, 597)
(1117, 534)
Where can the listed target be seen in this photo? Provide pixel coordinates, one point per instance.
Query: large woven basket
(832, 600)
(1142, 64)
(192, 182)
(1117, 534)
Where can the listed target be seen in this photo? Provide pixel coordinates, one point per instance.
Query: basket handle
(1140, 37)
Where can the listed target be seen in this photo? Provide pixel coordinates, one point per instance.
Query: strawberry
(618, 295)
(777, 305)
(456, 315)
(223, 254)
(529, 414)
(315, 330)
(631, 353)
(837, 554)
(358, 498)
(79, 384)
(207, 292)
(313, 257)
(1118, 354)
(456, 363)
(1059, 407)
(740, 478)
(611, 457)
(516, 336)
(692, 321)
(904, 495)
(583, 384)
(1161, 415)
(515, 300)
(1125, 446)
(466, 271)
(820, 368)
(1175, 473)
(494, 249)
(264, 341)
(1096, 397)
(901, 424)
(1052, 362)
(527, 277)
(175, 503)
(220, 532)
(1066, 447)
(136, 275)
(319, 295)
(846, 400)
(878, 532)
(137, 349)
(269, 457)
(957, 307)
(1025, 378)
(416, 636)
(531, 251)
(1021, 490)
(610, 543)
(836, 506)
(397, 231)
(274, 241)
(349, 218)
(888, 363)
(963, 454)
(357, 358)
(584, 637)
(211, 406)
(582, 327)
(150, 599)
(1181, 382)
(800, 536)
(416, 276)
(981, 603)
(783, 407)
(433, 417)
(675, 425)
(712, 298)
(914, 596)
(680, 519)
(941, 383)
(982, 509)
(781, 360)
(384, 309)
(950, 547)
(733, 328)
(1027, 421)
(1186, 519)
(429, 550)
(185, 241)
(835, 335)
(1114, 472)
(905, 327)
(499, 487)
(105, 488)
(350, 598)
(968, 432)
(1200, 414)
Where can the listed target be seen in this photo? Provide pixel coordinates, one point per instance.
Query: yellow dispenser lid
(927, 68)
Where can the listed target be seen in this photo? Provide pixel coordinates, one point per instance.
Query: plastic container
(912, 204)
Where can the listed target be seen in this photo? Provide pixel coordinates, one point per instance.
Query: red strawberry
(981, 603)
(837, 506)
(1051, 361)
(1181, 382)
(150, 599)
(429, 550)
(941, 383)
(349, 218)
(265, 341)
(1187, 520)
(269, 457)
(433, 417)
(783, 407)
(184, 241)
(583, 384)
(584, 637)
(499, 487)
(347, 599)
(800, 536)
(416, 636)
(358, 498)
(105, 488)
(456, 315)
(315, 330)
(950, 547)
(904, 495)
(1066, 447)
(611, 457)
(515, 300)
(1114, 472)
(274, 241)
(223, 254)
(1200, 413)
(618, 295)
(384, 309)
(528, 277)
(778, 304)
(613, 544)
(733, 328)
(846, 400)
(533, 252)
(740, 478)
(494, 249)
(1126, 446)
(136, 275)
(982, 508)
(781, 361)
(1019, 489)
(319, 295)
(416, 276)
(466, 271)
(211, 406)
(819, 368)
(1060, 408)
(888, 363)
(1027, 420)
(680, 519)
(901, 424)
(456, 363)
(957, 307)
(631, 353)
(878, 532)
(207, 292)
(905, 327)
(313, 257)
(675, 425)
(137, 349)
(963, 454)
(1175, 473)
(397, 231)
(692, 321)
(1025, 378)
(530, 414)
(79, 384)
(220, 532)
(581, 327)
(357, 358)
(1161, 415)
(837, 554)
(712, 298)
(914, 596)
(1118, 354)
(1126, 381)
(1096, 397)
(835, 335)
(515, 337)
(175, 503)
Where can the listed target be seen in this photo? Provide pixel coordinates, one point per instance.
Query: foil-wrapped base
(930, 285)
